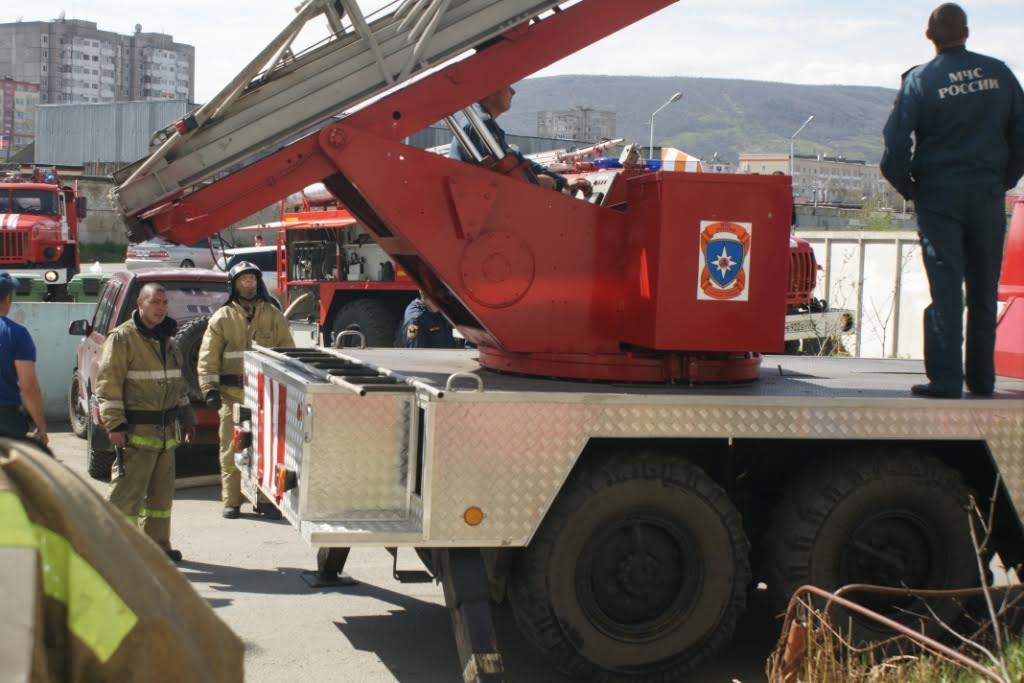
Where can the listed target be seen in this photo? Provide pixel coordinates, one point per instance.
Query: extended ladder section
(280, 94)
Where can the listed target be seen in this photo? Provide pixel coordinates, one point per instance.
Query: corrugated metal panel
(73, 134)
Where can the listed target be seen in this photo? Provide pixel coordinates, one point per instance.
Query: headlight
(51, 276)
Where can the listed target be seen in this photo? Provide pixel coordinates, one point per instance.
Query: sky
(867, 42)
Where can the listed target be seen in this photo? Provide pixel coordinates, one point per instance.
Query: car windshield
(34, 201)
(188, 300)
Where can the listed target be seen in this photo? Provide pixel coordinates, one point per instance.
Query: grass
(104, 252)
(827, 661)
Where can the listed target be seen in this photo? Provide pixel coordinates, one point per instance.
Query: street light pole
(674, 98)
(792, 138)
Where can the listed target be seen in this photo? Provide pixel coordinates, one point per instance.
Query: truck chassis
(662, 492)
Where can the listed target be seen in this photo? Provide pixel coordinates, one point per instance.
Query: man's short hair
(149, 289)
(8, 284)
(947, 24)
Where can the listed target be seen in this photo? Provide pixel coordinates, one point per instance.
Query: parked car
(157, 252)
(194, 294)
(265, 258)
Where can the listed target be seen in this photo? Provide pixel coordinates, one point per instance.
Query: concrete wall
(55, 348)
(880, 275)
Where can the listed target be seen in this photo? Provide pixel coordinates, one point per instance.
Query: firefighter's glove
(213, 399)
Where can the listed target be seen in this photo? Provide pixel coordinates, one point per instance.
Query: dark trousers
(13, 422)
(962, 231)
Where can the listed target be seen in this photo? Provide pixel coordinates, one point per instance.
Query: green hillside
(726, 116)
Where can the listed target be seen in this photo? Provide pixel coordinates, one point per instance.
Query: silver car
(158, 252)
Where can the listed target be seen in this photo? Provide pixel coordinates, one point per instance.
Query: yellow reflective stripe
(96, 613)
(153, 374)
(154, 442)
(155, 514)
(233, 393)
(209, 379)
(16, 531)
(234, 354)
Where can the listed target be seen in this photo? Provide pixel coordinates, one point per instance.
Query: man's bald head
(947, 26)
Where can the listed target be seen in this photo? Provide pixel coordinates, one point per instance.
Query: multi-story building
(589, 125)
(18, 101)
(73, 61)
(826, 180)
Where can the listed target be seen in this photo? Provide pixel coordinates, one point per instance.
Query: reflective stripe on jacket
(87, 597)
(135, 375)
(230, 334)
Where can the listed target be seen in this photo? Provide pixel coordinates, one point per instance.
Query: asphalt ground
(380, 630)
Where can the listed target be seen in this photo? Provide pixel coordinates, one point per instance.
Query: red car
(194, 295)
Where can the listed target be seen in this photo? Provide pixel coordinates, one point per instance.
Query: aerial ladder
(563, 287)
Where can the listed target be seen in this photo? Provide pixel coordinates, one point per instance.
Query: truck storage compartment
(708, 261)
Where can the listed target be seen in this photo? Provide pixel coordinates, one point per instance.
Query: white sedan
(156, 253)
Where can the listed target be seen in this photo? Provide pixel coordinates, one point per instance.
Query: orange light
(473, 516)
(286, 479)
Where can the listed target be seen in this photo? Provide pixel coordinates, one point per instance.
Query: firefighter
(86, 596)
(493, 106)
(954, 143)
(250, 316)
(425, 327)
(145, 408)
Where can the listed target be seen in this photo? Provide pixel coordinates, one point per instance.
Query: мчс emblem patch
(724, 263)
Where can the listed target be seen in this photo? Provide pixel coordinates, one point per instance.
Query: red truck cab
(39, 220)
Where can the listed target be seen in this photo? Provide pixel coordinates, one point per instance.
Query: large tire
(371, 317)
(639, 571)
(77, 413)
(189, 338)
(100, 456)
(892, 520)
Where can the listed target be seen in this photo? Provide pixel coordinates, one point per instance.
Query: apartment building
(73, 61)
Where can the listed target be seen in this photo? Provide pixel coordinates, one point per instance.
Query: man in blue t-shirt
(19, 386)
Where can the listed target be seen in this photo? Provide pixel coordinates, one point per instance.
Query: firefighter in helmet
(145, 408)
(250, 316)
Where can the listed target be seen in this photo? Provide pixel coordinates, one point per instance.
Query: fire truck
(39, 219)
(616, 458)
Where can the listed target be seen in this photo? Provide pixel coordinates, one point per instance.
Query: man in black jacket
(966, 114)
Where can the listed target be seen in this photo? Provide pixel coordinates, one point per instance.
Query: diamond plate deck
(508, 449)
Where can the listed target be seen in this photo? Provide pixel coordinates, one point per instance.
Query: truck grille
(13, 246)
(803, 274)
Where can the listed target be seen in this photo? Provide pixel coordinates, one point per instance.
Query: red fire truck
(39, 219)
(613, 458)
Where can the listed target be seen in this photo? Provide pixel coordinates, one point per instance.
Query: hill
(727, 116)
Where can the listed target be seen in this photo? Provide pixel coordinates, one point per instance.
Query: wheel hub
(634, 577)
(889, 550)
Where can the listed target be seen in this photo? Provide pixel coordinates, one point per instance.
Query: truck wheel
(100, 457)
(76, 410)
(371, 317)
(888, 520)
(640, 569)
(189, 338)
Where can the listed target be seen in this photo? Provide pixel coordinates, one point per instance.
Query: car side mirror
(79, 328)
(81, 207)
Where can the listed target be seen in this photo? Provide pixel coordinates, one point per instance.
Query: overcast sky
(867, 42)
